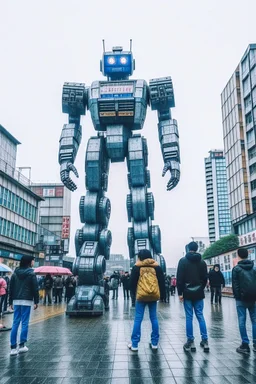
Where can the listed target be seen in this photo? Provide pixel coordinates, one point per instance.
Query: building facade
(54, 221)
(117, 262)
(238, 101)
(18, 205)
(219, 222)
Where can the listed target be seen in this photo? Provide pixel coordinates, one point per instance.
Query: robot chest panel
(116, 102)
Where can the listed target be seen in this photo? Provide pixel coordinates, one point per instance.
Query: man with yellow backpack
(148, 284)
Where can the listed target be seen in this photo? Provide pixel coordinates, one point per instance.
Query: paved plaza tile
(94, 350)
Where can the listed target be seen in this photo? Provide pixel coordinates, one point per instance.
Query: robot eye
(123, 60)
(111, 60)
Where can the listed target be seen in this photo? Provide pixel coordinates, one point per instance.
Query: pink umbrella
(52, 270)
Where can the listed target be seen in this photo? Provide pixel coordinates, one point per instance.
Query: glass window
(247, 101)
(248, 118)
(246, 84)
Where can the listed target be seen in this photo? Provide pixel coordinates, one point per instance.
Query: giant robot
(118, 107)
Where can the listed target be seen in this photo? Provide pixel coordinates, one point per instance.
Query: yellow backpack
(148, 288)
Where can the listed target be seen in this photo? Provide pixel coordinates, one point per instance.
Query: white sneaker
(154, 346)
(23, 349)
(134, 349)
(14, 352)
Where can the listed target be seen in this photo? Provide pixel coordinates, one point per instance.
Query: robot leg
(93, 241)
(140, 204)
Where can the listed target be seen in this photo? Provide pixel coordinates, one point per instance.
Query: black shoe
(204, 344)
(189, 346)
(244, 348)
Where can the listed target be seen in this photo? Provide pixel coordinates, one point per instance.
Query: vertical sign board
(65, 227)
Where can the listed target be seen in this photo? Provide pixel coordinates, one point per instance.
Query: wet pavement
(94, 350)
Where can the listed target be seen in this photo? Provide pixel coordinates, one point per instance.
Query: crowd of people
(117, 279)
(55, 289)
(146, 284)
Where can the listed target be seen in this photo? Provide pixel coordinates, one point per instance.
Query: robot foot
(86, 302)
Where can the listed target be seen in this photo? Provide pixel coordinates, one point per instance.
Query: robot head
(118, 64)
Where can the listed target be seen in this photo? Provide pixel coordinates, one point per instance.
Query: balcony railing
(6, 168)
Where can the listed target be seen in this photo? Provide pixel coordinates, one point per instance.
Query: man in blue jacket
(24, 294)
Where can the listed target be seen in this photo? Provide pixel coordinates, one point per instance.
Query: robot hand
(65, 170)
(174, 168)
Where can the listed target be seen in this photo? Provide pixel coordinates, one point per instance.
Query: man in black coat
(216, 280)
(191, 281)
(244, 290)
(126, 284)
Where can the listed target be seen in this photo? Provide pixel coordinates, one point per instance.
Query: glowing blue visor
(122, 63)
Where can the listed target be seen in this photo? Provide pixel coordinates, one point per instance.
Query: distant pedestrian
(106, 292)
(70, 287)
(23, 295)
(48, 284)
(58, 286)
(126, 284)
(6, 299)
(114, 283)
(3, 288)
(191, 282)
(217, 282)
(147, 283)
(167, 288)
(244, 290)
(173, 284)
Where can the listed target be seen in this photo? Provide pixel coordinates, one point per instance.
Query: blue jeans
(21, 314)
(198, 307)
(241, 308)
(139, 313)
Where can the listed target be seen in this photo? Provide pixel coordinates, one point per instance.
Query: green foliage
(225, 244)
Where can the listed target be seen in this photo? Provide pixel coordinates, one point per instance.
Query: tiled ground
(93, 351)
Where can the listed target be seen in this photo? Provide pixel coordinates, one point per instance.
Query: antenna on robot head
(130, 45)
(103, 44)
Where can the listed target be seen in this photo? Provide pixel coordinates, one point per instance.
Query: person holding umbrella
(24, 294)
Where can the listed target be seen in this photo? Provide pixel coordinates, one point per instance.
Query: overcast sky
(198, 43)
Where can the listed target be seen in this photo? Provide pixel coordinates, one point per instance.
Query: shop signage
(248, 238)
(10, 255)
(48, 192)
(65, 227)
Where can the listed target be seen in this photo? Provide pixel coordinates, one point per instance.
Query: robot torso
(122, 102)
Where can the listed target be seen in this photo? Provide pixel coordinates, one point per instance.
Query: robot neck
(117, 76)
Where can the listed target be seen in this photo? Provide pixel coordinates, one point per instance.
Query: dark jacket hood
(193, 257)
(22, 273)
(246, 264)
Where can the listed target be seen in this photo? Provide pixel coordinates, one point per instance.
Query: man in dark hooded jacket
(244, 290)
(191, 281)
(216, 280)
(24, 294)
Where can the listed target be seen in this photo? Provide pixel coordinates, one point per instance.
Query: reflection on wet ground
(94, 350)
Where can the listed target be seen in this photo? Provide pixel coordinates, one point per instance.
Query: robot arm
(162, 99)
(74, 100)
